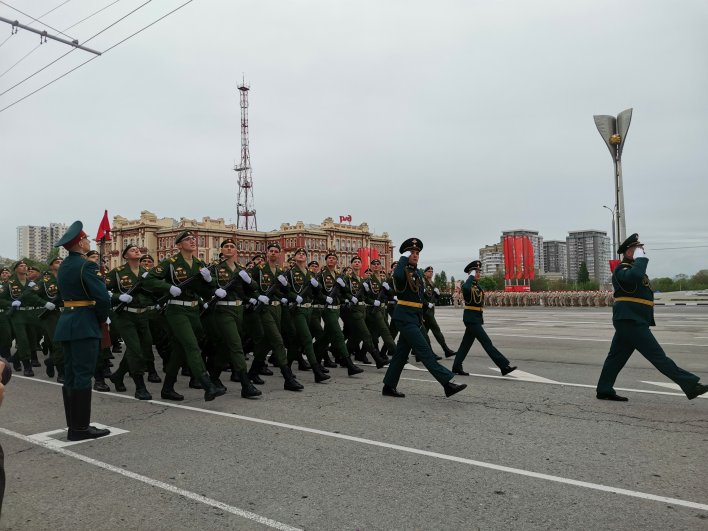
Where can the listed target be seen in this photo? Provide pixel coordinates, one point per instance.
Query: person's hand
(395, 298)
(206, 305)
(407, 254)
(220, 292)
(377, 303)
(253, 301)
(175, 291)
(639, 253)
(263, 299)
(386, 286)
(16, 304)
(430, 305)
(245, 276)
(283, 301)
(283, 280)
(329, 300)
(298, 299)
(124, 297)
(50, 306)
(355, 300)
(366, 287)
(206, 274)
(437, 291)
(340, 281)
(314, 282)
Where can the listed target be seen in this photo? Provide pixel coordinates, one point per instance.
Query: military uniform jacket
(79, 280)
(473, 296)
(239, 290)
(353, 288)
(429, 294)
(175, 270)
(121, 280)
(27, 293)
(329, 286)
(299, 284)
(49, 288)
(634, 298)
(408, 284)
(263, 278)
(376, 292)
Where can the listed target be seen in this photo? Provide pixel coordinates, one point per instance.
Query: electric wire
(39, 18)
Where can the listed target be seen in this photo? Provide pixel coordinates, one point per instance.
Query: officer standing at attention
(86, 305)
(632, 315)
(407, 316)
(473, 319)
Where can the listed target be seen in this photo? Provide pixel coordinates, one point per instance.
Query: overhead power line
(37, 20)
(40, 17)
(96, 56)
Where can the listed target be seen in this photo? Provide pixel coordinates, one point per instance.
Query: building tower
(245, 210)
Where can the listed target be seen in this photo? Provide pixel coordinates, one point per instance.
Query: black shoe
(50, 368)
(211, 391)
(290, 384)
(437, 357)
(507, 370)
(448, 353)
(460, 371)
(328, 363)
(264, 370)
(218, 384)
(141, 392)
(391, 391)
(253, 372)
(168, 390)
(452, 388)
(351, 368)
(380, 362)
(248, 390)
(117, 381)
(100, 385)
(89, 433)
(361, 357)
(323, 368)
(319, 375)
(195, 384)
(28, 372)
(612, 396)
(60, 378)
(697, 391)
(153, 377)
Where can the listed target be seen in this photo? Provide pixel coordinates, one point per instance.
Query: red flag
(507, 258)
(104, 229)
(519, 253)
(613, 264)
(529, 271)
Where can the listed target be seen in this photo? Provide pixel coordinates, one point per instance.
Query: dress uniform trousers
(333, 333)
(300, 320)
(630, 336)
(80, 357)
(225, 325)
(134, 328)
(376, 322)
(430, 323)
(20, 321)
(476, 331)
(269, 337)
(186, 329)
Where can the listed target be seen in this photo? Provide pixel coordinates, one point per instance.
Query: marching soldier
(316, 330)
(632, 315)
(49, 291)
(376, 298)
(473, 319)
(5, 327)
(429, 322)
(85, 310)
(158, 330)
(183, 278)
(408, 315)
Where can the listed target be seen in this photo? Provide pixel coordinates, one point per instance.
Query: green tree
(540, 283)
(488, 283)
(699, 280)
(663, 284)
(583, 275)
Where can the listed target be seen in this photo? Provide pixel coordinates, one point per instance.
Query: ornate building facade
(156, 236)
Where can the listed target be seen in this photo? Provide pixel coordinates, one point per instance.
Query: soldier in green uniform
(131, 319)
(429, 322)
(24, 299)
(269, 285)
(158, 330)
(49, 291)
(182, 313)
(85, 310)
(224, 319)
(331, 286)
(354, 293)
(5, 327)
(632, 315)
(391, 304)
(473, 319)
(316, 330)
(301, 283)
(376, 297)
(104, 356)
(36, 332)
(408, 315)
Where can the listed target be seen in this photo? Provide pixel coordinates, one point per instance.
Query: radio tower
(246, 213)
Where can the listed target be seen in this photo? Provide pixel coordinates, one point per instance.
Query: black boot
(210, 390)
(351, 368)
(253, 372)
(141, 392)
(99, 383)
(392, 391)
(195, 383)
(117, 379)
(65, 393)
(153, 377)
(291, 384)
(264, 370)
(323, 368)
(34, 360)
(214, 375)
(360, 356)
(28, 368)
(380, 362)
(80, 416)
(248, 390)
(457, 369)
(49, 364)
(452, 388)
(302, 364)
(168, 389)
(319, 375)
(16, 363)
(448, 353)
(60, 375)
(327, 361)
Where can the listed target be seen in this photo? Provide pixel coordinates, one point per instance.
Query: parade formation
(204, 320)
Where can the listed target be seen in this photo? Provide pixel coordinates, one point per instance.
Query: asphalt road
(535, 450)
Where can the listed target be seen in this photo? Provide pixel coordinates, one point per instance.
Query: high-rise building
(555, 257)
(492, 258)
(36, 242)
(593, 248)
(536, 242)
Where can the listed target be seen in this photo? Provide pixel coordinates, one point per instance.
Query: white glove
(175, 291)
(406, 254)
(206, 305)
(16, 304)
(124, 297)
(430, 305)
(245, 276)
(366, 287)
(298, 299)
(340, 281)
(144, 275)
(639, 253)
(253, 301)
(329, 300)
(377, 303)
(283, 301)
(220, 292)
(108, 320)
(314, 282)
(437, 291)
(31, 284)
(50, 306)
(206, 274)
(263, 299)
(386, 286)
(395, 298)
(355, 300)
(283, 280)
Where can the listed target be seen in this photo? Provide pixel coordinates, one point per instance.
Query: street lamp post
(614, 132)
(614, 240)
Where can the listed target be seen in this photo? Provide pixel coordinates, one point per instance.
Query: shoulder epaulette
(120, 268)
(173, 258)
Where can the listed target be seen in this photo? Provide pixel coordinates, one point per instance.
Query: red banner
(507, 258)
(519, 255)
(529, 272)
(613, 264)
(104, 229)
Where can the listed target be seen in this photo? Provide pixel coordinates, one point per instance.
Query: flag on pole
(104, 229)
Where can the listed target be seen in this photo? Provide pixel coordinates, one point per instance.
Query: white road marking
(608, 340)
(525, 376)
(48, 438)
(155, 483)
(410, 367)
(664, 384)
(370, 442)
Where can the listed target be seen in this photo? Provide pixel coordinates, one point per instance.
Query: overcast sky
(449, 121)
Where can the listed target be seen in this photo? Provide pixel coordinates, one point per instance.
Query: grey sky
(450, 121)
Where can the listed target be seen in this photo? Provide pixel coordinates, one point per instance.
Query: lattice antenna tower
(245, 209)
